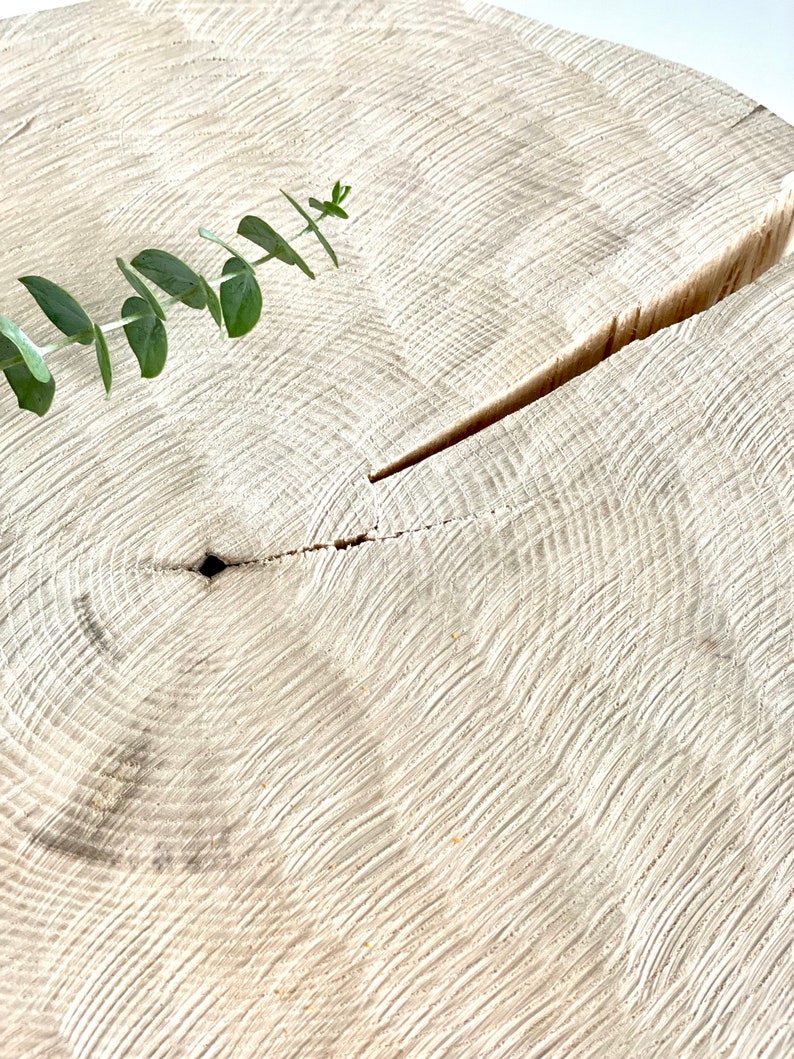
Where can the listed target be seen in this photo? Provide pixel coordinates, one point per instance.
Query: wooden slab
(493, 758)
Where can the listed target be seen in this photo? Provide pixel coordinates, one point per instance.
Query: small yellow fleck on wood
(367, 945)
(364, 687)
(456, 840)
(454, 636)
(264, 785)
(308, 1007)
(331, 867)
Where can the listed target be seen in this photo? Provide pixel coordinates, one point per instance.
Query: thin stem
(69, 340)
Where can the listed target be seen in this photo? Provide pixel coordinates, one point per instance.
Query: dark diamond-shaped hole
(211, 565)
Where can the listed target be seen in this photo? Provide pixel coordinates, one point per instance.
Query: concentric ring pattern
(493, 758)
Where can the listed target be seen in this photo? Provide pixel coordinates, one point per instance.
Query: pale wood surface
(514, 777)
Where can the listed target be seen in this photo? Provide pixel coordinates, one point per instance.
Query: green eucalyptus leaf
(213, 303)
(60, 307)
(328, 208)
(260, 232)
(311, 223)
(147, 337)
(9, 353)
(241, 300)
(205, 234)
(103, 358)
(32, 394)
(137, 284)
(337, 191)
(172, 275)
(27, 349)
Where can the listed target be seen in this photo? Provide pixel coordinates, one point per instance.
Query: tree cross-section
(492, 757)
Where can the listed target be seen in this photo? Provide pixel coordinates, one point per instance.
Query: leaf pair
(239, 306)
(333, 208)
(240, 293)
(340, 191)
(312, 226)
(145, 334)
(240, 303)
(70, 317)
(241, 296)
(30, 378)
(24, 367)
(180, 281)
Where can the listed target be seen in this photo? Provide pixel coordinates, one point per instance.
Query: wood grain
(742, 261)
(492, 758)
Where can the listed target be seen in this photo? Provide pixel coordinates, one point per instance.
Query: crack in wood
(757, 248)
(760, 246)
(370, 538)
(212, 564)
(342, 543)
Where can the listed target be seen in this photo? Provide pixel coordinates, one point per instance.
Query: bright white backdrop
(749, 46)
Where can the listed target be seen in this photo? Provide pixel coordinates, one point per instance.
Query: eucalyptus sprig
(237, 306)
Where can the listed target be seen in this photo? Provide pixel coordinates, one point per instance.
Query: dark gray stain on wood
(90, 825)
(91, 626)
(114, 818)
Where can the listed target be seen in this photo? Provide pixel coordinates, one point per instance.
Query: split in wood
(759, 247)
(212, 565)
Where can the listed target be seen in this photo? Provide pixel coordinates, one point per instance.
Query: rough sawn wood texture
(512, 777)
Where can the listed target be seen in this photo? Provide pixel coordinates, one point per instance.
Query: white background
(749, 46)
